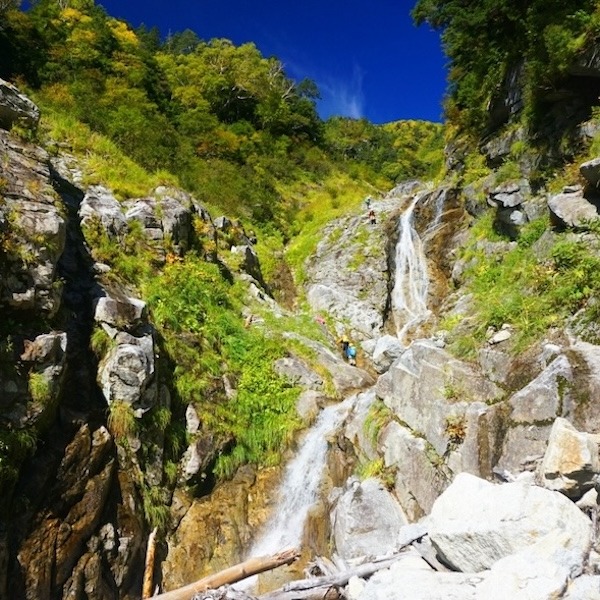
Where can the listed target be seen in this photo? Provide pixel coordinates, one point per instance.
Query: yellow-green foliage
(315, 211)
(39, 387)
(121, 419)
(378, 417)
(376, 468)
(419, 147)
(131, 257)
(156, 506)
(530, 293)
(104, 162)
(100, 342)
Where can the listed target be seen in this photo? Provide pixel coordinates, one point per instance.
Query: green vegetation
(100, 342)
(530, 292)
(197, 314)
(376, 468)
(39, 387)
(15, 446)
(121, 419)
(228, 125)
(489, 42)
(378, 417)
(156, 506)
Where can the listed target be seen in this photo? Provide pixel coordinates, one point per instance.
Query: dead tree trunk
(252, 566)
(149, 566)
(317, 588)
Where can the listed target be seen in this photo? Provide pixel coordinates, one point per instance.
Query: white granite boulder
(366, 520)
(571, 461)
(475, 523)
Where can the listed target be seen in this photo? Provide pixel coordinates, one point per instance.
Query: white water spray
(300, 486)
(409, 296)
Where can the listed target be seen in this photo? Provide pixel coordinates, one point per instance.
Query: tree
(8, 4)
(486, 40)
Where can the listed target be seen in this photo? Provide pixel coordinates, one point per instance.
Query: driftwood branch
(314, 588)
(325, 588)
(252, 566)
(329, 581)
(149, 565)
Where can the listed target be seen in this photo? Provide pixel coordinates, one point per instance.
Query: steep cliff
(150, 379)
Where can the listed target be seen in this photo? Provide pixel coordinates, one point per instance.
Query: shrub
(39, 387)
(121, 419)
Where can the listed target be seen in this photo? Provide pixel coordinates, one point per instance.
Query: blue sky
(366, 56)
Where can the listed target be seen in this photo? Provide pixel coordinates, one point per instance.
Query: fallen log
(325, 588)
(252, 566)
(149, 565)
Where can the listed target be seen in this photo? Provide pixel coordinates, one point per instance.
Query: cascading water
(298, 491)
(439, 211)
(302, 478)
(409, 296)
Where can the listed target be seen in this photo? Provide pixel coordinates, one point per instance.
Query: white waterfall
(301, 481)
(439, 211)
(409, 296)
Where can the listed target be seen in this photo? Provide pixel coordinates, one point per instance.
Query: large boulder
(591, 171)
(387, 349)
(121, 312)
(411, 578)
(571, 463)
(538, 572)
(366, 520)
(126, 372)
(15, 107)
(533, 409)
(475, 523)
(571, 208)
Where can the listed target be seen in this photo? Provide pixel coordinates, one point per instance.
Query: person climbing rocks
(372, 218)
(351, 354)
(368, 202)
(345, 342)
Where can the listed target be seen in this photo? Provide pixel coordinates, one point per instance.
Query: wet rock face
(32, 230)
(62, 547)
(347, 274)
(215, 531)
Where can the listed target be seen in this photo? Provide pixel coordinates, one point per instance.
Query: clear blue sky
(366, 56)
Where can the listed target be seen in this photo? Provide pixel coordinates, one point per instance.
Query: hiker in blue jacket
(351, 354)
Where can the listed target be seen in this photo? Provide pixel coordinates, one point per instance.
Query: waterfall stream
(411, 279)
(300, 485)
(409, 295)
(299, 489)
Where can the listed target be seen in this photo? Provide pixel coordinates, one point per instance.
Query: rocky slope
(486, 457)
